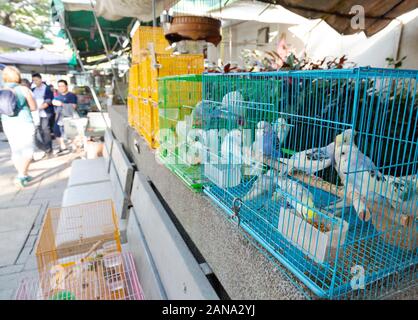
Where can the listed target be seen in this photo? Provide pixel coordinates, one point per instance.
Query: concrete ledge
(122, 166)
(87, 193)
(118, 115)
(145, 265)
(180, 273)
(120, 198)
(88, 172)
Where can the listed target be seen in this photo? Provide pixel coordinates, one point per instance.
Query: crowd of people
(37, 119)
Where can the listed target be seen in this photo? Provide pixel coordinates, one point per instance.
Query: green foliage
(395, 63)
(28, 16)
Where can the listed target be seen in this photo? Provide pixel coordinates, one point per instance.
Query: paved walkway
(22, 211)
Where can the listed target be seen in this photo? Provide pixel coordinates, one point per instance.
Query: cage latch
(236, 207)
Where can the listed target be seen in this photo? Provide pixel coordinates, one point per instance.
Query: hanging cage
(192, 20)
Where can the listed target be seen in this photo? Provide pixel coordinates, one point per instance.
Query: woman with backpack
(15, 110)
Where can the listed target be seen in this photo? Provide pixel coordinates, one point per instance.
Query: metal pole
(93, 92)
(154, 20)
(99, 28)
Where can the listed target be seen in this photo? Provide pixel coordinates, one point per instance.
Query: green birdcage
(181, 136)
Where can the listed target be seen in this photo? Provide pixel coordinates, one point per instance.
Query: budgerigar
(233, 102)
(264, 185)
(231, 148)
(310, 161)
(197, 115)
(181, 131)
(354, 167)
(281, 127)
(195, 153)
(401, 191)
(359, 171)
(300, 197)
(265, 142)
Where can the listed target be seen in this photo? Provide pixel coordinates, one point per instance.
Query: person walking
(19, 128)
(39, 144)
(65, 107)
(43, 96)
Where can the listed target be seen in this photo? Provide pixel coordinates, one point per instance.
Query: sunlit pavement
(22, 211)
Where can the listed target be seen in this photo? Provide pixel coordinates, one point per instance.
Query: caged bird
(309, 161)
(295, 195)
(233, 103)
(354, 167)
(265, 143)
(282, 128)
(197, 115)
(368, 181)
(231, 148)
(401, 191)
(268, 140)
(264, 185)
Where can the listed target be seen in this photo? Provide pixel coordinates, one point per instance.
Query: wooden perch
(364, 209)
(352, 198)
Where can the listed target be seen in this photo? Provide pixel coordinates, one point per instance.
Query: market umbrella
(11, 38)
(39, 58)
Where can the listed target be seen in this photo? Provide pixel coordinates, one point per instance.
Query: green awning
(83, 30)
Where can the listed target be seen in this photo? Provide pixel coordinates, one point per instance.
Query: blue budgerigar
(265, 142)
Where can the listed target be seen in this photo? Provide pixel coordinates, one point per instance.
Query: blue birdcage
(320, 168)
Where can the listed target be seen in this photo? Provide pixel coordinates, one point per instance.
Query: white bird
(195, 153)
(309, 161)
(354, 167)
(264, 185)
(231, 148)
(181, 130)
(233, 102)
(296, 195)
(281, 127)
(358, 170)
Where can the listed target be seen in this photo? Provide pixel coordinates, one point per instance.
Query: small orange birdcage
(76, 233)
(109, 277)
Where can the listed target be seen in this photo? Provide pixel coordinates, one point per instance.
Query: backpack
(8, 102)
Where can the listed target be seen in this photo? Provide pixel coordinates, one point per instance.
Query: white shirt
(39, 94)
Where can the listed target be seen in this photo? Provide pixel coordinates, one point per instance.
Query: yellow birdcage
(74, 233)
(149, 40)
(130, 104)
(151, 69)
